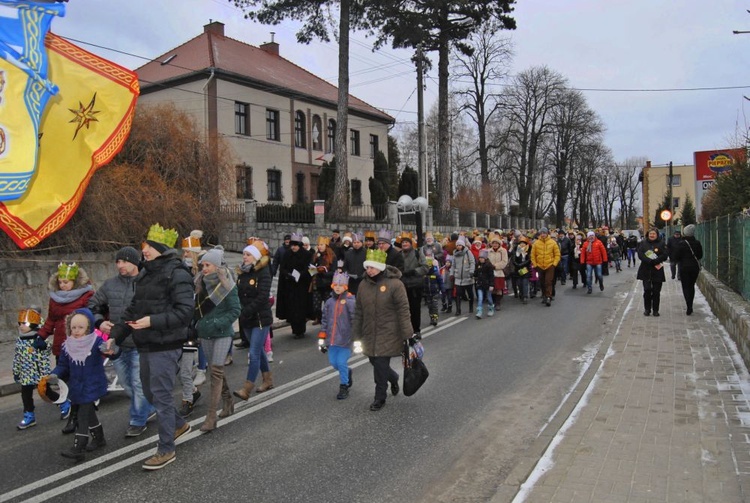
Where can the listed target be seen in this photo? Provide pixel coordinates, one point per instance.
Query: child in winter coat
(81, 366)
(522, 263)
(446, 292)
(484, 275)
(433, 286)
(335, 336)
(69, 289)
(30, 361)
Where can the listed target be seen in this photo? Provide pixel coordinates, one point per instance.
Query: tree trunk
(340, 200)
(443, 174)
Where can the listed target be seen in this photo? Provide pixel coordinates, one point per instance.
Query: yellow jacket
(545, 253)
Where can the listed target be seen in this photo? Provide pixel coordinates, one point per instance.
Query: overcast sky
(604, 47)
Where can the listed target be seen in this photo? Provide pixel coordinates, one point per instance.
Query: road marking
(253, 405)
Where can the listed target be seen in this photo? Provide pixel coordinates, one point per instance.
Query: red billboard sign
(710, 163)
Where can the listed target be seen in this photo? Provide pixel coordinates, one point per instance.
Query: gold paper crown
(67, 271)
(370, 235)
(260, 245)
(159, 234)
(30, 316)
(322, 240)
(193, 241)
(376, 256)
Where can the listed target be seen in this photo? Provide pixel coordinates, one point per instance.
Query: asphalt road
(494, 384)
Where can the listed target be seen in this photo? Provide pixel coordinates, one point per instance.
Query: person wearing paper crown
(157, 320)
(254, 287)
(69, 289)
(294, 283)
(30, 361)
(335, 336)
(381, 322)
(653, 253)
(324, 264)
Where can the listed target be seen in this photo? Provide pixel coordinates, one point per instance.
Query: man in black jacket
(566, 250)
(157, 319)
(110, 301)
(354, 260)
(672, 244)
(393, 256)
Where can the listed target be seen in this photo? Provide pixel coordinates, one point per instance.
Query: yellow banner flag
(83, 127)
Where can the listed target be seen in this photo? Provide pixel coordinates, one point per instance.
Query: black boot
(72, 425)
(97, 438)
(471, 306)
(78, 451)
(458, 307)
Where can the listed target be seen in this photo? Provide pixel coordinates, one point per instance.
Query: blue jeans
(128, 368)
(589, 270)
(564, 262)
(256, 356)
(481, 294)
(202, 361)
(523, 286)
(158, 373)
(338, 357)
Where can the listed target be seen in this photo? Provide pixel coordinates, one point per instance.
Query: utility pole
(424, 186)
(671, 200)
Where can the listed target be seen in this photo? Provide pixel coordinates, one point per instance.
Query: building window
(676, 180)
(331, 136)
(317, 133)
(244, 182)
(374, 146)
(274, 185)
(241, 118)
(300, 136)
(355, 142)
(300, 196)
(356, 192)
(675, 203)
(272, 125)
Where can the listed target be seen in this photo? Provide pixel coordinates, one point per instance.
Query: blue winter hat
(89, 316)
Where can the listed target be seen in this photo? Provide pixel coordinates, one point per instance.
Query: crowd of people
(167, 307)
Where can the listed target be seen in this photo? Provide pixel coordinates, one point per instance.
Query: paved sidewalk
(666, 417)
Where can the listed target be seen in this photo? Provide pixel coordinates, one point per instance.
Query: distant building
(278, 119)
(655, 186)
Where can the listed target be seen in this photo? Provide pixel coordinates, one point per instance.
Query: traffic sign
(666, 215)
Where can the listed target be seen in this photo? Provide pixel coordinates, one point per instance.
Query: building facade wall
(656, 185)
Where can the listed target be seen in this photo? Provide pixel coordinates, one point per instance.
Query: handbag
(415, 371)
(693, 254)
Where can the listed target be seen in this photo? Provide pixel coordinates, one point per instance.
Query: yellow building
(655, 185)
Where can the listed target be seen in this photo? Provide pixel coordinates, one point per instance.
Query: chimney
(215, 27)
(271, 47)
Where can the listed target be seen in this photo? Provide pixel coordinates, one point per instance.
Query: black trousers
(86, 418)
(651, 295)
(414, 294)
(27, 397)
(383, 373)
(688, 277)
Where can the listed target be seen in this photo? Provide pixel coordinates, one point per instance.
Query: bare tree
(626, 180)
(474, 75)
(527, 106)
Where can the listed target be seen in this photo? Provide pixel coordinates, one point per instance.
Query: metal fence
(363, 213)
(465, 219)
(301, 213)
(232, 212)
(726, 252)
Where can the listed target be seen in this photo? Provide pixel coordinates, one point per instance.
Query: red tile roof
(247, 63)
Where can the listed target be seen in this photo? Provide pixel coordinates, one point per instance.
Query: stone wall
(23, 283)
(731, 309)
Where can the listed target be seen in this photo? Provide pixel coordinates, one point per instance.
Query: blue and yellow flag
(82, 128)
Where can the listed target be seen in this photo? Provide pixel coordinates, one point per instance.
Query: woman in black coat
(653, 252)
(294, 287)
(687, 254)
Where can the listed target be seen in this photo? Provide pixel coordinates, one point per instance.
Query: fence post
(319, 210)
(428, 218)
(454, 218)
(251, 210)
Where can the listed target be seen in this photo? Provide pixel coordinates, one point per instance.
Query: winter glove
(322, 346)
(39, 343)
(357, 347)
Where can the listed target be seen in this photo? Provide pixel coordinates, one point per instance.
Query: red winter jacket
(597, 255)
(55, 322)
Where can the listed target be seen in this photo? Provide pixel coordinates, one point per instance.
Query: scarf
(246, 267)
(63, 297)
(218, 284)
(79, 348)
(590, 246)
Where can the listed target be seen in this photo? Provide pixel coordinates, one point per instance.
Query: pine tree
(687, 216)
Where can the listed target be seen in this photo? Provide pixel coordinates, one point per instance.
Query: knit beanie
(128, 254)
(689, 230)
(214, 256)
